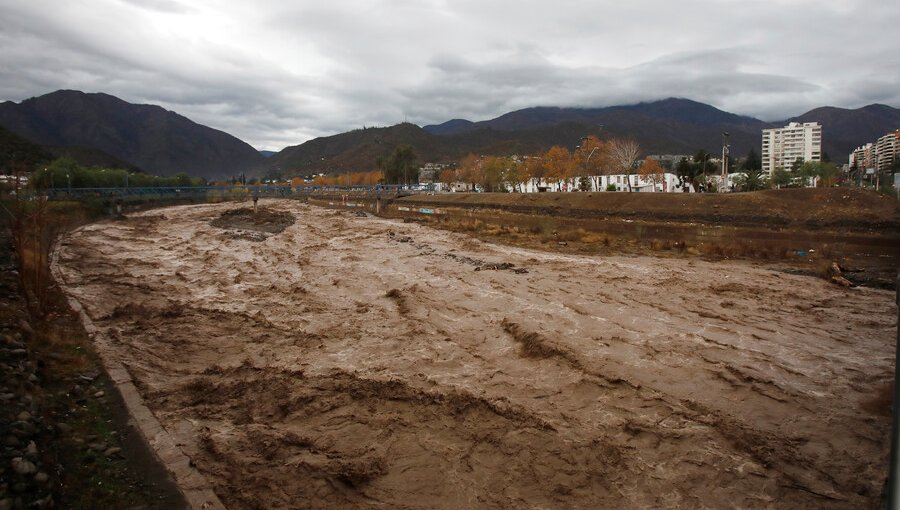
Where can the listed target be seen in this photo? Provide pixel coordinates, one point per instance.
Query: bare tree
(624, 152)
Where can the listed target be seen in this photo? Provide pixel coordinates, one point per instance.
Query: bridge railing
(228, 192)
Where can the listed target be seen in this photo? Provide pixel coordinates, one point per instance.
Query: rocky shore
(64, 440)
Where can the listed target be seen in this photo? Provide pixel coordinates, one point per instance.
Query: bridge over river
(131, 194)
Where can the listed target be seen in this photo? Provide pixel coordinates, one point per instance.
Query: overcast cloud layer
(277, 73)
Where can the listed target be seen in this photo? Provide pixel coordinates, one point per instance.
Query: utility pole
(725, 153)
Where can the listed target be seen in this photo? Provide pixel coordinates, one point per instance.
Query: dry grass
(33, 225)
(550, 233)
(593, 237)
(661, 245)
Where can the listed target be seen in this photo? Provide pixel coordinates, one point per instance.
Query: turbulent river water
(361, 362)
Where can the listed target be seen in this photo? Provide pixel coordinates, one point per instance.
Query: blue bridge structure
(126, 194)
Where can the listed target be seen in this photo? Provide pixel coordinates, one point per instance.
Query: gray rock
(6, 504)
(31, 450)
(41, 477)
(114, 451)
(24, 416)
(42, 503)
(63, 428)
(23, 429)
(11, 441)
(26, 327)
(23, 467)
(99, 394)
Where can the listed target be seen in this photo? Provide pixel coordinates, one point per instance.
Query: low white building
(667, 183)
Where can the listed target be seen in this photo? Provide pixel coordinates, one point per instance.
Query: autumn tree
(470, 169)
(519, 174)
(366, 178)
(511, 172)
(448, 176)
(651, 171)
(493, 173)
(322, 180)
(624, 152)
(592, 159)
(558, 164)
(535, 168)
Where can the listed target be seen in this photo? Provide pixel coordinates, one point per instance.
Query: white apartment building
(874, 160)
(886, 150)
(782, 146)
(863, 157)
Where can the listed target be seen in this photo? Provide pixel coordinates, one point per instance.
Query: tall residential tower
(782, 146)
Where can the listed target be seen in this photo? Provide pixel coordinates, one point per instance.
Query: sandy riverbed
(357, 362)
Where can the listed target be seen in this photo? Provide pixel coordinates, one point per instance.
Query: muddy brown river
(360, 362)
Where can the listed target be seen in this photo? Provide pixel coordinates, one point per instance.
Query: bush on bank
(65, 172)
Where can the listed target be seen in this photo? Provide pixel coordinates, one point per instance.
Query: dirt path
(356, 362)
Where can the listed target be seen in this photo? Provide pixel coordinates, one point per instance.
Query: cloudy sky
(277, 73)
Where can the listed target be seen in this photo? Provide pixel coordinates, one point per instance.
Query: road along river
(359, 362)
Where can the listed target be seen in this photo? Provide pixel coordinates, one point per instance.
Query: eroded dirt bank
(357, 362)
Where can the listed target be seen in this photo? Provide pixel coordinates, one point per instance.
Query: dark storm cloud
(278, 73)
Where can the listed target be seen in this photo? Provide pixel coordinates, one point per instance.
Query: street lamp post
(588, 159)
(725, 153)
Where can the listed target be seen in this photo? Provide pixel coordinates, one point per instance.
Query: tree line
(558, 166)
(594, 158)
(66, 172)
(801, 173)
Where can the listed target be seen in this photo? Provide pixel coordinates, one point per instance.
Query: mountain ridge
(164, 142)
(146, 136)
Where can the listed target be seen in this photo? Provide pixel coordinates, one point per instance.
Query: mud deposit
(357, 362)
(259, 225)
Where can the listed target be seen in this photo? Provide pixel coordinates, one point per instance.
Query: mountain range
(145, 136)
(163, 142)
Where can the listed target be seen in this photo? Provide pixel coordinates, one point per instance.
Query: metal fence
(229, 192)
